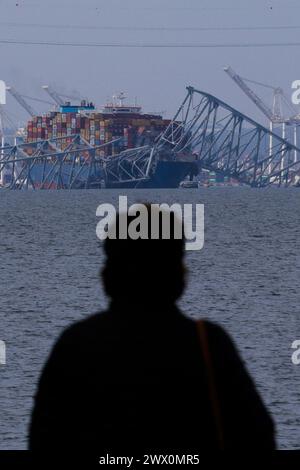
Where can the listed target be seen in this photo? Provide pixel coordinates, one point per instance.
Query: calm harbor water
(246, 278)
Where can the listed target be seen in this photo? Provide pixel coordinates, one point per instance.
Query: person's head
(145, 271)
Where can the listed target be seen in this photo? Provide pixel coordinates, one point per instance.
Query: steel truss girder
(229, 142)
(45, 165)
(130, 166)
(221, 138)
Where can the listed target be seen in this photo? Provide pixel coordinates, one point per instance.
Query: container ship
(126, 125)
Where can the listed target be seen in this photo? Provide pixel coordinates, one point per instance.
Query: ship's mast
(118, 99)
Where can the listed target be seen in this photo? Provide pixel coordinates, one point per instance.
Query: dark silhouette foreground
(137, 377)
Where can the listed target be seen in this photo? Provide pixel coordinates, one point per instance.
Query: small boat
(189, 184)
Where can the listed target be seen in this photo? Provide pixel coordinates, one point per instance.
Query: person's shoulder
(85, 329)
(210, 326)
(217, 334)
(214, 328)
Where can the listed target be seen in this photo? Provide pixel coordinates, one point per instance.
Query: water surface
(246, 278)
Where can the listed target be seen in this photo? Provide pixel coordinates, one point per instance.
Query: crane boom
(75, 98)
(21, 101)
(54, 95)
(250, 93)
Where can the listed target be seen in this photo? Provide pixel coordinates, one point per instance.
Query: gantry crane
(19, 98)
(274, 115)
(57, 97)
(54, 95)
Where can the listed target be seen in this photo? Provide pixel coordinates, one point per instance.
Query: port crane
(3, 117)
(54, 95)
(57, 97)
(274, 115)
(19, 98)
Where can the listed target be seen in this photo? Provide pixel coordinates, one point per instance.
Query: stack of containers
(97, 131)
(96, 128)
(92, 131)
(29, 132)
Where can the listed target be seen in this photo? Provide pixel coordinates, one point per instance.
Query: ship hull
(167, 174)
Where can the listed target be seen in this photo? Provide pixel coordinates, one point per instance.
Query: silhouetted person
(141, 374)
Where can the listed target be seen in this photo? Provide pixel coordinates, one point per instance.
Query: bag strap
(208, 363)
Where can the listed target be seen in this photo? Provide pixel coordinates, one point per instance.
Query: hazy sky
(157, 76)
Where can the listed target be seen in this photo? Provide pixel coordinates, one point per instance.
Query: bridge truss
(217, 137)
(228, 142)
(48, 164)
